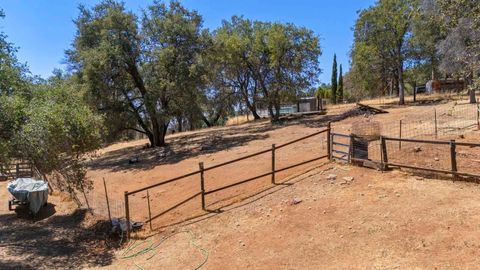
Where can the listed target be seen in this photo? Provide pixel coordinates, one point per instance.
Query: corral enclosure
(181, 200)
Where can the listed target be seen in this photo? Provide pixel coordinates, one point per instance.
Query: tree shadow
(212, 211)
(57, 242)
(182, 146)
(46, 211)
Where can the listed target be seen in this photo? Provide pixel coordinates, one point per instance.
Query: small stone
(341, 236)
(348, 179)
(436, 159)
(331, 177)
(324, 211)
(417, 149)
(370, 186)
(296, 201)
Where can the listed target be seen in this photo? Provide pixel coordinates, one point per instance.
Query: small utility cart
(29, 192)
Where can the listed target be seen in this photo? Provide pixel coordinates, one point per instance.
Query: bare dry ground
(379, 220)
(389, 220)
(59, 237)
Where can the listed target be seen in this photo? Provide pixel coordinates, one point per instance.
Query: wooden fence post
(400, 136)
(414, 91)
(453, 158)
(106, 197)
(273, 164)
(329, 143)
(478, 117)
(383, 147)
(127, 215)
(435, 117)
(350, 149)
(149, 211)
(17, 170)
(202, 184)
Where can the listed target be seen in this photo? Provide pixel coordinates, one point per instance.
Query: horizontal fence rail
(453, 155)
(432, 141)
(202, 169)
(163, 183)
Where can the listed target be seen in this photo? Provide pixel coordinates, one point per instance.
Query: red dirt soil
(389, 220)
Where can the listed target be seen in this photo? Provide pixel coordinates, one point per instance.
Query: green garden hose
(152, 247)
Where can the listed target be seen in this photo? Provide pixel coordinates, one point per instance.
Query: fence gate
(341, 147)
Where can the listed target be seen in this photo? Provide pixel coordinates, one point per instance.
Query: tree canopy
(45, 122)
(414, 40)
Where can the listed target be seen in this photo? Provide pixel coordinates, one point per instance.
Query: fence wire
(439, 123)
(97, 203)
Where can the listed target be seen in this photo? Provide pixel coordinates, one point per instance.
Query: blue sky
(43, 30)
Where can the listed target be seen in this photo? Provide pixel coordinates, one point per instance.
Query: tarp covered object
(35, 192)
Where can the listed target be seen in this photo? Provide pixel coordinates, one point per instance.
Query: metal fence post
(149, 211)
(329, 138)
(453, 158)
(400, 136)
(435, 117)
(273, 164)
(127, 214)
(106, 197)
(202, 184)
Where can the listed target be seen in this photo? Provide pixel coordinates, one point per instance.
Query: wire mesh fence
(102, 204)
(439, 123)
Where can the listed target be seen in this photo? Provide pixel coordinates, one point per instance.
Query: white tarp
(35, 192)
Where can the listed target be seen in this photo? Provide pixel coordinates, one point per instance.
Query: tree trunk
(401, 84)
(180, 123)
(270, 110)
(473, 99)
(252, 108)
(157, 136)
(206, 121)
(277, 111)
(255, 114)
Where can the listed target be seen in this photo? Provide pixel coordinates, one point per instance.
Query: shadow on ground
(183, 146)
(53, 242)
(218, 207)
(207, 141)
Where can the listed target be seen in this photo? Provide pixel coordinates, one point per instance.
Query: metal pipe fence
(203, 188)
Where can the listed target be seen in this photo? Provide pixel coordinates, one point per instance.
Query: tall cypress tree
(340, 85)
(334, 79)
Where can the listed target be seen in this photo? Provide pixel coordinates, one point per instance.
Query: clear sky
(43, 29)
